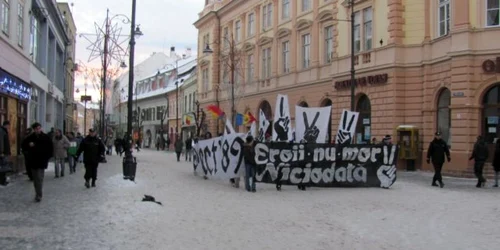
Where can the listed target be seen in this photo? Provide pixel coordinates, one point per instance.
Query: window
(267, 15)
(5, 16)
(286, 56)
(306, 50)
(250, 69)
(491, 115)
(185, 103)
(226, 37)
(444, 17)
(306, 5)
(285, 12)
(251, 24)
(3, 109)
(159, 112)
(20, 24)
(190, 102)
(205, 80)
(357, 32)
(206, 40)
(367, 19)
(237, 31)
(328, 44)
(363, 131)
(444, 114)
(266, 63)
(35, 38)
(492, 13)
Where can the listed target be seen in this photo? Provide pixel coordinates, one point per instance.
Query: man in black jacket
(480, 155)
(438, 149)
(93, 150)
(250, 164)
(38, 149)
(189, 148)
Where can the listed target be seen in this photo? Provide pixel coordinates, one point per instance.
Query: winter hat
(387, 137)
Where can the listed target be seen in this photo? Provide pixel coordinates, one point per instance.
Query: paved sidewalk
(208, 214)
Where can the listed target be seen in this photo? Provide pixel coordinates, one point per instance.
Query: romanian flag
(215, 111)
(239, 119)
(248, 118)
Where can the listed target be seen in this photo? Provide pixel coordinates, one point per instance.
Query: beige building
(432, 64)
(70, 66)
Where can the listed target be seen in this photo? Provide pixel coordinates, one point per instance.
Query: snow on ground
(208, 214)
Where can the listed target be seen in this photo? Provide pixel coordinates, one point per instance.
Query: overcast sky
(165, 23)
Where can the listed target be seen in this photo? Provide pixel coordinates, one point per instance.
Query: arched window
(363, 128)
(491, 114)
(303, 104)
(444, 115)
(325, 103)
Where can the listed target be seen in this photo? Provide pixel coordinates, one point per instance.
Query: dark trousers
(27, 165)
(38, 175)
(478, 171)
(189, 152)
(91, 172)
(437, 172)
(178, 155)
(249, 177)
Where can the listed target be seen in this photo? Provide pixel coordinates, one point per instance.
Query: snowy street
(208, 214)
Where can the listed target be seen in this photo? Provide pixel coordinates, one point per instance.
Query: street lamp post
(353, 69)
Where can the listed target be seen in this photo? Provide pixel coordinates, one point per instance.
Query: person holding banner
(250, 164)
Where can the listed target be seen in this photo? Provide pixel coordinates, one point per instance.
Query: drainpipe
(218, 73)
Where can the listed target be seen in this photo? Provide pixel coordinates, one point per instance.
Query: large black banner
(326, 165)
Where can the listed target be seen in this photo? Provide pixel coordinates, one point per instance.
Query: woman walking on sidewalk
(61, 145)
(178, 147)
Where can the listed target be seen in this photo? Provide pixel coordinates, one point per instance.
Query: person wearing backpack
(480, 155)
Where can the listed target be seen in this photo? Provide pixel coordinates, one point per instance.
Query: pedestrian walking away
(438, 150)
(61, 146)
(39, 150)
(250, 164)
(73, 147)
(496, 162)
(479, 155)
(4, 150)
(178, 147)
(189, 148)
(93, 151)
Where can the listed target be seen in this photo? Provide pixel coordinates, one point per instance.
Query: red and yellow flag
(215, 111)
(248, 118)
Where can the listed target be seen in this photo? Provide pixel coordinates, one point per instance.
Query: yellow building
(433, 64)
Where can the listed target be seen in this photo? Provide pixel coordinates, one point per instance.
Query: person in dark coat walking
(4, 149)
(480, 155)
(437, 151)
(26, 156)
(39, 149)
(189, 148)
(178, 147)
(94, 150)
(496, 162)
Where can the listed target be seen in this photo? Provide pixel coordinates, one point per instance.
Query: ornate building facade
(431, 64)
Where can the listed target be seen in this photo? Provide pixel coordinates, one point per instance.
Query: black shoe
(93, 183)
(205, 177)
(38, 199)
(278, 187)
(87, 184)
(62, 175)
(495, 186)
(57, 176)
(441, 185)
(253, 190)
(434, 184)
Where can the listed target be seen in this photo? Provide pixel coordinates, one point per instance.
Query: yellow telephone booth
(407, 139)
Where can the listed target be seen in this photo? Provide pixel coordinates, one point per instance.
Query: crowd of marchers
(438, 152)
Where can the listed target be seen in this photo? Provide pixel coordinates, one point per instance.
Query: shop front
(14, 98)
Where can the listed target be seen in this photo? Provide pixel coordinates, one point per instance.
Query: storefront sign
(363, 81)
(490, 66)
(14, 86)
